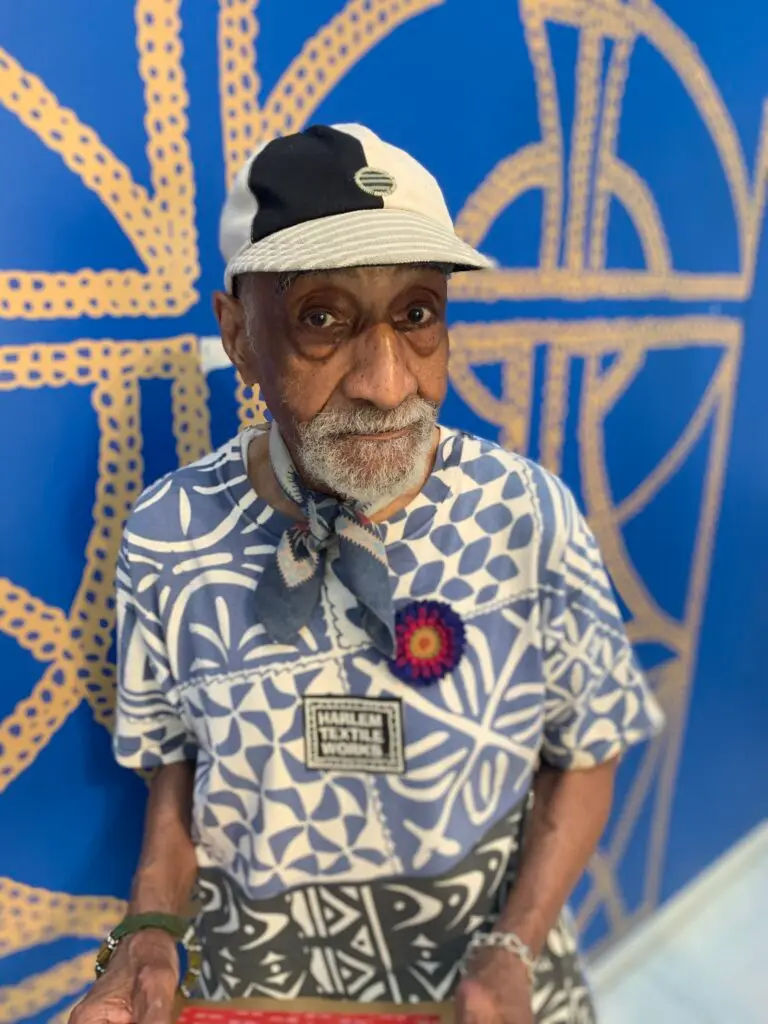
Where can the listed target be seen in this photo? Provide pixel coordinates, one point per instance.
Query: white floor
(703, 959)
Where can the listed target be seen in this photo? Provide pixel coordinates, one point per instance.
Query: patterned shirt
(547, 673)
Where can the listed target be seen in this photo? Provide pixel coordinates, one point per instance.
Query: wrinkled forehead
(286, 279)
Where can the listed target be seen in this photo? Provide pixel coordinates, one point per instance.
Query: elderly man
(377, 662)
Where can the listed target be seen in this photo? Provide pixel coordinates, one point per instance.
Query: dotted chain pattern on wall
(160, 225)
(72, 644)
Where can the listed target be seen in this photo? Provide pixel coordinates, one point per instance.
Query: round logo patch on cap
(374, 182)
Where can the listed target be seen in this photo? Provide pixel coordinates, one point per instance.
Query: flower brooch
(430, 640)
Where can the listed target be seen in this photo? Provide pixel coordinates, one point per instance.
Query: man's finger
(96, 1010)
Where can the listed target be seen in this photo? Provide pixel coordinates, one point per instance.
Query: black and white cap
(334, 197)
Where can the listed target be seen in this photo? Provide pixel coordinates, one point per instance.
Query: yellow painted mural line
(522, 172)
(79, 146)
(26, 731)
(36, 993)
(585, 127)
(46, 634)
(664, 470)
(613, 97)
(161, 227)
(621, 23)
(324, 60)
(34, 625)
(239, 82)
(112, 371)
(601, 335)
(30, 916)
(563, 283)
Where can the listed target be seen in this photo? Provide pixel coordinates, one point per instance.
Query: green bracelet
(178, 928)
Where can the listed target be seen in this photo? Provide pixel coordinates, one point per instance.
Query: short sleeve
(598, 702)
(150, 730)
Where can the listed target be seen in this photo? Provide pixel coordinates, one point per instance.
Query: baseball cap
(332, 197)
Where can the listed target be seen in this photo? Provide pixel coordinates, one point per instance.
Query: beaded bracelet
(500, 940)
(180, 929)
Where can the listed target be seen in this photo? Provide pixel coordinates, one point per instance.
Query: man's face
(353, 365)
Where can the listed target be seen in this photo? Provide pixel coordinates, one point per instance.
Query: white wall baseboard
(640, 944)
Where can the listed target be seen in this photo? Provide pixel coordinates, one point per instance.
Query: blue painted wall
(454, 84)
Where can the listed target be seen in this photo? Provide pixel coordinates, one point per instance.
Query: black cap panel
(307, 176)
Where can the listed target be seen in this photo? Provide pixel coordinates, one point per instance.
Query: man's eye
(418, 316)
(320, 318)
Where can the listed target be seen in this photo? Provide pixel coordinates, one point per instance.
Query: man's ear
(234, 337)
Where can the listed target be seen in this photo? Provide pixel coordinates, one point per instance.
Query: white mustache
(369, 420)
(365, 470)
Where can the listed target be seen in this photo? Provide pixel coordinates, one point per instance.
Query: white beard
(374, 472)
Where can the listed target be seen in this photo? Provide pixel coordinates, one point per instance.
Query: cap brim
(361, 238)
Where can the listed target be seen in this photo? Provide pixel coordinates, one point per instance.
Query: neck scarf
(290, 586)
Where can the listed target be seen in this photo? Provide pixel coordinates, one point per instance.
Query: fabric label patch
(354, 734)
(374, 182)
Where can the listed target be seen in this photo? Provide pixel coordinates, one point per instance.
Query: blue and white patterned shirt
(548, 669)
(548, 672)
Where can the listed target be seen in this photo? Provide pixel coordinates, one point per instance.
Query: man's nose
(380, 373)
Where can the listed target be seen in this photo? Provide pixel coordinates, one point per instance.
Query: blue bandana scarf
(290, 586)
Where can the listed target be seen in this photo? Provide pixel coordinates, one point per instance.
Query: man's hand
(497, 990)
(139, 985)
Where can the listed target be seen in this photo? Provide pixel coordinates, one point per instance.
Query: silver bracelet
(500, 940)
